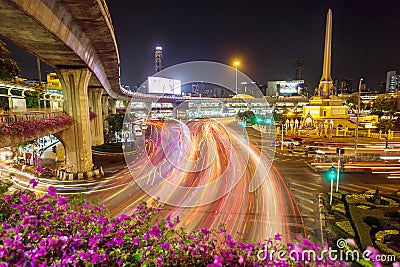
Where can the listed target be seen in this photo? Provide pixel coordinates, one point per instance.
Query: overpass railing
(7, 118)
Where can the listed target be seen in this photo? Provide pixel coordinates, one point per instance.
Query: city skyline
(267, 39)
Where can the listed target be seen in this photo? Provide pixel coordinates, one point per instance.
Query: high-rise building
(298, 68)
(394, 83)
(389, 74)
(159, 59)
(382, 87)
(344, 86)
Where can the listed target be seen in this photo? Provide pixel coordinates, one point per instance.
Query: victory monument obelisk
(326, 85)
(325, 105)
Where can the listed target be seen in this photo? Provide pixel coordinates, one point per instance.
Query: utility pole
(339, 151)
(358, 112)
(40, 80)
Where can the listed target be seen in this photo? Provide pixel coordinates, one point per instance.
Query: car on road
(311, 151)
(299, 150)
(290, 142)
(138, 130)
(298, 139)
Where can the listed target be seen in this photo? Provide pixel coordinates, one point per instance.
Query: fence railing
(7, 118)
(373, 157)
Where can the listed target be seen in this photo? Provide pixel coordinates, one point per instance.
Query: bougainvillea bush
(55, 231)
(32, 128)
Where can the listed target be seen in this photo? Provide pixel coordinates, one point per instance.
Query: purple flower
(159, 262)
(222, 230)
(218, 261)
(95, 258)
(7, 198)
(8, 242)
(51, 191)
(33, 182)
(24, 199)
(5, 225)
(155, 231)
(169, 221)
(205, 231)
(165, 246)
(135, 241)
(61, 200)
(278, 237)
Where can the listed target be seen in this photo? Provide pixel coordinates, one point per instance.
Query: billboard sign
(158, 85)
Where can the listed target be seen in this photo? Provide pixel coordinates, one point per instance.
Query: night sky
(266, 36)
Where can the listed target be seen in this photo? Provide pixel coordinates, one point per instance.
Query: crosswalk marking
(308, 186)
(305, 199)
(301, 191)
(309, 218)
(306, 207)
(389, 188)
(353, 185)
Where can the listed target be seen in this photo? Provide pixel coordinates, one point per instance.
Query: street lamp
(358, 112)
(236, 63)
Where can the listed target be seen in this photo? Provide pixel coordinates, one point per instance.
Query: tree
(8, 67)
(384, 104)
(385, 125)
(353, 102)
(115, 122)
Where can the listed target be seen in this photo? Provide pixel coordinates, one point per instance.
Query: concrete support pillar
(77, 139)
(104, 106)
(113, 106)
(96, 125)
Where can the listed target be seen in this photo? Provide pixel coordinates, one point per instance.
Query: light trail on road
(207, 174)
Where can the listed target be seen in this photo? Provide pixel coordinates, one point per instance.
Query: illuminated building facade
(159, 59)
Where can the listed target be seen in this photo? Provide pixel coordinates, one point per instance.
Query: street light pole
(236, 63)
(338, 171)
(358, 112)
(236, 79)
(330, 198)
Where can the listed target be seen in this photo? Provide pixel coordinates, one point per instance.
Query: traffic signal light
(268, 121)
(339, 150)
(54, 149)
(342, 166)
(331, 173)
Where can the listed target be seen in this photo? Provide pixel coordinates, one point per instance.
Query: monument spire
(326, 81)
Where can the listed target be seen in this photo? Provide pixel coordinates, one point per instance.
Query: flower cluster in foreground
(54, 231)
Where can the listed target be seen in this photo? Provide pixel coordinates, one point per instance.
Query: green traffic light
(332, 173)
